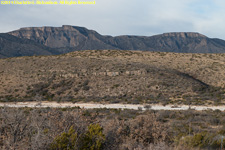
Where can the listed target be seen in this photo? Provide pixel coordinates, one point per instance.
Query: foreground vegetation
(74, 128)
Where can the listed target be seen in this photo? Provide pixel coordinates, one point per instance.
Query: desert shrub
(65, 141)
(114, 101)
(76, 89)
(147, 107)
(85, 82)
(163, 115)
(86, 87)
(199, 88)
(116, 85)
(146, 129)
(94, 138)
(214, 121)
(199, 140)
(202, 140)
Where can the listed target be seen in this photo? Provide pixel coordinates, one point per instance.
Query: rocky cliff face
(78, 38)
(72, 38)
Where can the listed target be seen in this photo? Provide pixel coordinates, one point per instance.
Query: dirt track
(110, 106)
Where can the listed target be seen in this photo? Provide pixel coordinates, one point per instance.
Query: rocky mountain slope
(115, 76)
(65, 38)
(11, 46)
(71, 38)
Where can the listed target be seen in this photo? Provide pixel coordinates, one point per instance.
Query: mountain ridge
(73, 38)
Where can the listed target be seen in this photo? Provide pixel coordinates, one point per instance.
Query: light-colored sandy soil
(109, 106)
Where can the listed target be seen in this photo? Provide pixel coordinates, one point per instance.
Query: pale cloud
(120, 17)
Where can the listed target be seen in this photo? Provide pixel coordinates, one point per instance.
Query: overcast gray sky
(123, 17)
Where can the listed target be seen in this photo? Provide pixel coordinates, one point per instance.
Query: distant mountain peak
(67, 26)
(72, 27)
(184, 34)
